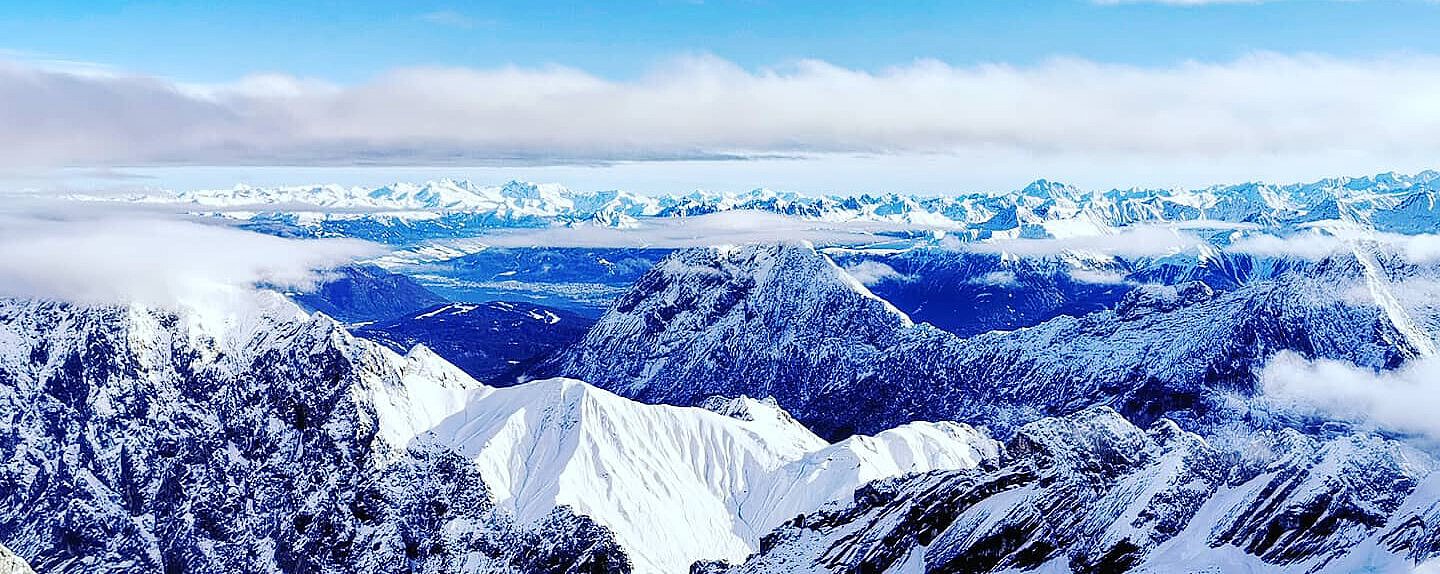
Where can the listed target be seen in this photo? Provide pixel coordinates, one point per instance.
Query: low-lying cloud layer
(1267, 106)
(155, 261)
(1136, 241)
(1316, 245)
(728, 227)
(1404, 400)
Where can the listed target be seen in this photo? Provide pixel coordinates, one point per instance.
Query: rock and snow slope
(675, 483)
(12, 564)
(1092, 493)
(139, 442)
(136, 441)
(782, 320)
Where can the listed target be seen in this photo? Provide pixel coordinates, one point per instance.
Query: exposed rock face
(777, 320)
(1094, 493)
(134, 442)
(784, 321)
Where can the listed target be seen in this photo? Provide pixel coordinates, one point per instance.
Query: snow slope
(674, 484)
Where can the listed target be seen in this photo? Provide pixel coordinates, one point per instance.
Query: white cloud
(730, 227)
(1267, 109)
(1097, 277)
(155, 261)
(1316, 245)
(1404, 400)
(1137, 241)
(998, 279)
(873, 272)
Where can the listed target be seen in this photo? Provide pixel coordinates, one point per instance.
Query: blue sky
(922, 96)
(350, 41)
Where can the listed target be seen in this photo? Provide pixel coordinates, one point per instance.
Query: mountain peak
(691, 313)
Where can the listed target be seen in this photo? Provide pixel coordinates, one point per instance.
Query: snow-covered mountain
(140, 441)
(674, 483)
(783, 320)
(1092, 493)
(363, 293)
(405, 213)
(137, 441)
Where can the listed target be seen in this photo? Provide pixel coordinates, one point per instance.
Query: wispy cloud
(1278, 108)
(731, 227)
(153, 259)
(875, 272)
(1316, 245)
(1403, 400)
(1137, 241)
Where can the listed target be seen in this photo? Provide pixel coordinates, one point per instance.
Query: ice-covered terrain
(674, 483)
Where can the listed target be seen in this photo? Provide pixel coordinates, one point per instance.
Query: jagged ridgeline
(136, 441)
(783, 320)
(132, 442)
(404, 213)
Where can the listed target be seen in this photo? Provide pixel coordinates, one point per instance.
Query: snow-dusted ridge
(403, 455)
(652, 472)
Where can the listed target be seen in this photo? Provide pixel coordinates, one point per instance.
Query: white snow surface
(675, 484)
(12, 564)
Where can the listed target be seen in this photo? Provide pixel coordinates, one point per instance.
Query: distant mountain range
(406, 212)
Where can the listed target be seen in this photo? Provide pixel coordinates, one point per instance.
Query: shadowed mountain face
(971, 293)
(365, 293)
(784, 321)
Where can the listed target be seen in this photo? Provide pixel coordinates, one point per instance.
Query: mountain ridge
(408, 212)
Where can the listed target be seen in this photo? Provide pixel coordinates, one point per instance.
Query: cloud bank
(1316, 245)
(1136, 241)
(703, 107)
(728, 227)
(1404, 400)
(156, 261)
